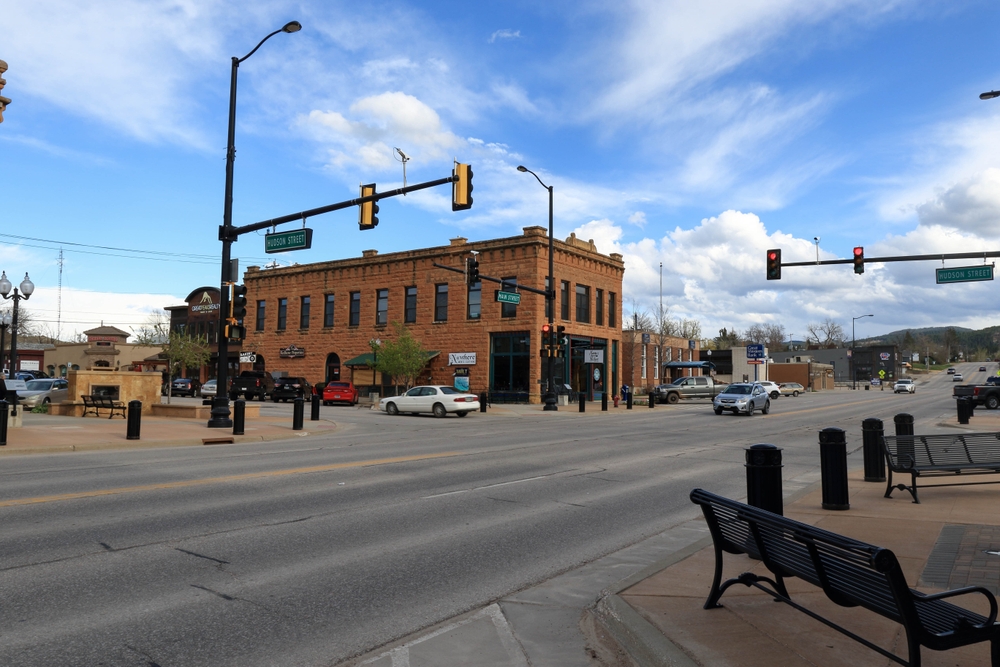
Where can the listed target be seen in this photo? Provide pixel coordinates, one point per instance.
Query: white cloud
(972, 205)
(638, 219)
(505, 34)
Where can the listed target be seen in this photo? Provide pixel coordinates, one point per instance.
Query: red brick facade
(522, 257)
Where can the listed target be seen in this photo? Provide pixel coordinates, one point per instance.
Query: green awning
(367, 359)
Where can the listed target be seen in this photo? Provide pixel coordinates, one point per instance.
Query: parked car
(687, 387)
(209, 388)
(251, 384)
(773, 389)
(436, 399)
(904, 385)
(957, 377)
(41, 391)
(340, 392)
(185, 387)
(742, 397)
(791, 388)
(290, 388)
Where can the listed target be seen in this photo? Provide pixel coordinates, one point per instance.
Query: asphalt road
(306, 552)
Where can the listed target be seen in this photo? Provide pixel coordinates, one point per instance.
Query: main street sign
(508, 297)
(964, 274)
(299, 239)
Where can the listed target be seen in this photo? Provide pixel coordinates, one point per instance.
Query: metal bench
(851, 573)
(95, 403)
(941, 455)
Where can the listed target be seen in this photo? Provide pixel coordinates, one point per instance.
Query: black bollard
(604, 401)
(5, 409)
(763, 464)
(628, 401)
(483, 399)
(904, 427)
(314, 413)
(134, 420)
(298, 412)
(833, 468)
(871, 435)
(239, 416)
(583, 401)
(652, 400)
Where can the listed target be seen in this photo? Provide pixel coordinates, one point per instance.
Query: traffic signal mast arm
(505, 283)
(236, 232)
(902, 258)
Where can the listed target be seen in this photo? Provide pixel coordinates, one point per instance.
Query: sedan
(982, 369)
(40, 392)
(209, 388)
(185, 387)
(340, 392)
(957, 377)
(436, 399)
(791, 389)
(743, 398)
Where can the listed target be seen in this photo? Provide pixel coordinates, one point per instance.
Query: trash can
(763, 464)
(903, 423)
(871, 436)
(964, 404)
(833, 468)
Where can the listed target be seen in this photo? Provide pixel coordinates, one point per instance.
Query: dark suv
(185, 387)
(290, 388)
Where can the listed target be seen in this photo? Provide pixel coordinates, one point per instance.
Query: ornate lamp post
(550, 297)
(4, 325)
(26, 289)
(220, 407)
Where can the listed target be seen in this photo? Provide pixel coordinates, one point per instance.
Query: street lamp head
(5, 285)
(292, 26)
(27, 287)
(521, 168)
(990, 95)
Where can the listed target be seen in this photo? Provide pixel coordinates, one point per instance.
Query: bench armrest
(962, 591)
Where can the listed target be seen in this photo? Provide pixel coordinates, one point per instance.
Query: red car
(340, 392)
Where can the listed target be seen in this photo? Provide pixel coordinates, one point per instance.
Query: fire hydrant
(616, 400)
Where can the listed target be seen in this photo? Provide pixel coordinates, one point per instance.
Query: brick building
(317, 320)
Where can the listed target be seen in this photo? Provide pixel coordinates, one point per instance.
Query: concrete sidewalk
(942, 544)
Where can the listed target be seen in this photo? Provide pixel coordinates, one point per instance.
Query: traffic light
(561, 340)
(461, 187)
(472, 271)
(774, 264)
(238, 304)
(859, 260)
(368, 211)
(236, 331)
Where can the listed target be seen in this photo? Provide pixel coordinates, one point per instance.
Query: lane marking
(219, 480)
(492, 486)
(825, 407)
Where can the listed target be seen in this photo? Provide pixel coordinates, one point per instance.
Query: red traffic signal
(774, 264)
(859, 259)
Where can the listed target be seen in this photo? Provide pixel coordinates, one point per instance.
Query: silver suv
(742, 398)
(903, 384)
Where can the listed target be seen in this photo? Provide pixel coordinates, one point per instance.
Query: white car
(773, 389)
(904, 384)
(436, 399)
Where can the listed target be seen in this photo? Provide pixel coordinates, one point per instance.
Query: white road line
(493, 486)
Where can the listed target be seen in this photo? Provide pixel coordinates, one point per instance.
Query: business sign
(248, 357)
(884, 356)
(292, 352)
(461, 372)
(299, 239)
(205, 305)
(16, 385)
(645, 339)
(964, 274)
(593, 356)
(692, 344)
(508, 297)
(461, 358)
(755, 351)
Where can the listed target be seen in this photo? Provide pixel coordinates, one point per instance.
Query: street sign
(508, 297)
(755, 351)
(755, 362)
(964, 274)
(299, 239)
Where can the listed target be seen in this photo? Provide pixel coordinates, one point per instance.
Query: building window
(475, 300)
(564, 300)
(509, 285)
(612, 309)
(381, 307)
(411, 305)
(261, 311)
(599, 308)
(583, 304)
(304, 313)
(355, 318)
(548, 301)
(642, 367)
(441, 303)
(282, 313)
(328, 303)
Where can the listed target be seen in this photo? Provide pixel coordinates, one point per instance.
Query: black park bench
(95, 403)
(851, 573)
(952, 455)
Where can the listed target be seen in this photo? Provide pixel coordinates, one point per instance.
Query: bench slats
(940, 455)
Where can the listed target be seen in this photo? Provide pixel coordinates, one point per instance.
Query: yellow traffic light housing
(368, 213)
(461, 187)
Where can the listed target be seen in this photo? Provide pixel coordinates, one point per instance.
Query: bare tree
(828, 333)
(636, 321)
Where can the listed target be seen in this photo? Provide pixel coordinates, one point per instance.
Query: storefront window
(475, 300)
(510, 364)
(282, 314)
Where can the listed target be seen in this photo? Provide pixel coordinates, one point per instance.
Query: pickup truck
(981, 394)
(687, 387)
(251, 384)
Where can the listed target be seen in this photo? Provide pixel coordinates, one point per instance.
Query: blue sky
(693, 134)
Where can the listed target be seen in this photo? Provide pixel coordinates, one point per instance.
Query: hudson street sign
(299, 239)
(965, 274)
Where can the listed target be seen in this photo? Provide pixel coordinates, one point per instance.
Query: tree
(401, 359)
(827, 334)
(728, 338)
(181, 350)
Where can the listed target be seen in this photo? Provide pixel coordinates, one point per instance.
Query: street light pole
(27, 288)
(220, 406)
(854, 370)
(4, 325)
(550, 297)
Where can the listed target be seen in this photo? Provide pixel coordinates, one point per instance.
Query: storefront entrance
(510, 367)
(333, 367)
(586, 376)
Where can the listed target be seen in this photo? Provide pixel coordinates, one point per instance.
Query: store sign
(205, 304)
(28, 364)
(461, 358)
(884, 356)
(248, 357)
(461, 372)
(593, 356)
(292, 352)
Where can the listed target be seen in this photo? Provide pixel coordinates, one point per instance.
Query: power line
(193, 258)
